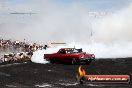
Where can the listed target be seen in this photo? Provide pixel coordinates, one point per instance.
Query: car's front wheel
(52, 61)
(89, 61)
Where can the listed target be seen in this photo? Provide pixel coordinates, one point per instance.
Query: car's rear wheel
(52, 62)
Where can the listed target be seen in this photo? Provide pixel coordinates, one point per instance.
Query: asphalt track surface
(32, 75)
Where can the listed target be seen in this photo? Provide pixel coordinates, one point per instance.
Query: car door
(59, 56)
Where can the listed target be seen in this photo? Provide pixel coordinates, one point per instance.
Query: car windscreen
(74, 51)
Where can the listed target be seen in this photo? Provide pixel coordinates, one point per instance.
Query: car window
(62, 52)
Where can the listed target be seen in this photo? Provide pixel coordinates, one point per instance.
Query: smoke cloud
(115, 27)
(105, 36)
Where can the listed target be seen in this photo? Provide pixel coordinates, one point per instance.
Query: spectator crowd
(17, 50)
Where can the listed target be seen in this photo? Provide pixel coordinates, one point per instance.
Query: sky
(92, 4)
(8, 6)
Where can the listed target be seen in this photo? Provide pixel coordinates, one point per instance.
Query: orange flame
(81, 71)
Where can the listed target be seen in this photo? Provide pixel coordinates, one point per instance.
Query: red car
(69, 55)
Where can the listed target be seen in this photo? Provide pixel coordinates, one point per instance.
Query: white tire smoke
(38, 57)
